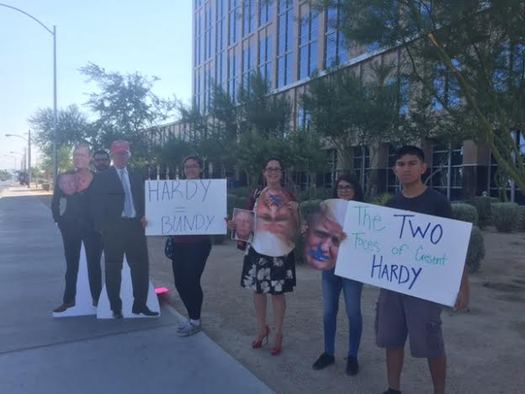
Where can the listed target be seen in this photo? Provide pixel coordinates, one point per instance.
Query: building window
(248, 17)
(303, 119)
(446, 87)
(509, 66)
(308, 32)
(265, 58)
(361, 164)
(285, 33)
(265, 11)
(247, 65)
(208, 29)
(336, 52)
(392, 185)
(232, 76)
(502, 184)
(198, 36)
(439, 172)
(234, 13)
(404, 95)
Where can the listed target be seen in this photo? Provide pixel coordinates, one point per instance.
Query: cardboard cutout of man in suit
(70, 207)
(118, 211)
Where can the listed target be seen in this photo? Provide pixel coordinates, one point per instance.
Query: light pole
(53, 32)
(28, 153)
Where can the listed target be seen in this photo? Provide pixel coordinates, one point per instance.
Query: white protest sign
(186, 207)
(407, 252)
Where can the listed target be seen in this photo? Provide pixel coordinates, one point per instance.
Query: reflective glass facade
(287, 41)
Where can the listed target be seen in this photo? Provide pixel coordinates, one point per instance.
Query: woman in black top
(190, 254)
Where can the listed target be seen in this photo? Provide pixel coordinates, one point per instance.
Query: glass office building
(289, 42)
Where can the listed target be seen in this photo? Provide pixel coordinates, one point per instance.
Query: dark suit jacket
(77, 212)
(108, 196)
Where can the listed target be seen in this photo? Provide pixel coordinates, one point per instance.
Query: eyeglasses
(273, 169)
(345, 187)
(192, 166)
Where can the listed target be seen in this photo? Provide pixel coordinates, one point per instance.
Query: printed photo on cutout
(275, 222)
(67, 183)
(71, 182)
(244, 225)
(324, 234)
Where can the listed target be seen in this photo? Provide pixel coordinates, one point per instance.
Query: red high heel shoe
(278, 346)
(257, 343)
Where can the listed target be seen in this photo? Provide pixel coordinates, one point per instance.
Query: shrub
(234, 201)
(382, 199)
(521, 224)
(465, 212)
(318, 193)
(505, 216)
(241, 192)
(476, 250)
(482, 205)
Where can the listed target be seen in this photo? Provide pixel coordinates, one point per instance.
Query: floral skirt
(268, 275)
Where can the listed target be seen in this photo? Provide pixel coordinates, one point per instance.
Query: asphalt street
(40, 354)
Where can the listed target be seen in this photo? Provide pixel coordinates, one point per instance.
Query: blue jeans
(332, 285)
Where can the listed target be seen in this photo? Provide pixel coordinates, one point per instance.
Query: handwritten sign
(407, 252)
(186, 207)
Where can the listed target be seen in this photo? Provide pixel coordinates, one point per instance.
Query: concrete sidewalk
(39, 354)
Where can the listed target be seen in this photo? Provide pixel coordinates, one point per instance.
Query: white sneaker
(188, 330)
(183, 326)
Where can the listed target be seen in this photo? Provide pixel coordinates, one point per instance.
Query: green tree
(348, 110)
(73, 127)
(4, 175)
(266, 114)
(254, 149)
(307, 154)
(467, 56)
(125, 106)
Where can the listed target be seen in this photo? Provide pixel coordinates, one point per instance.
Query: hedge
(505, 216)
(465, 212)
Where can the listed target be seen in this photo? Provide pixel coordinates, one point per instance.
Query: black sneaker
(323, 361)
(392, 391)
(352, 366)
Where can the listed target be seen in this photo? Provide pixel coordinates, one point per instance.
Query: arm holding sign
(463, 299)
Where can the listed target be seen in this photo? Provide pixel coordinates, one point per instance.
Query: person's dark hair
(358, 190)
(410, 150)
(192, 157)
(274, 159)
(101, 152)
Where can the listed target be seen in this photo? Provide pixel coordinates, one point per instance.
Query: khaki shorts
(399, 315)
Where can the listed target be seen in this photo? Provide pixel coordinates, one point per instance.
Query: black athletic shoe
(144, 311)
(352, 366)
(117, 315)
(392, 391)
(323, 361)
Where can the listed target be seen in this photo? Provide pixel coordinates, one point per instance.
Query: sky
(150, 37)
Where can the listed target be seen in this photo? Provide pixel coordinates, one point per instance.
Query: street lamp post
(53, 32)
(28, 153)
